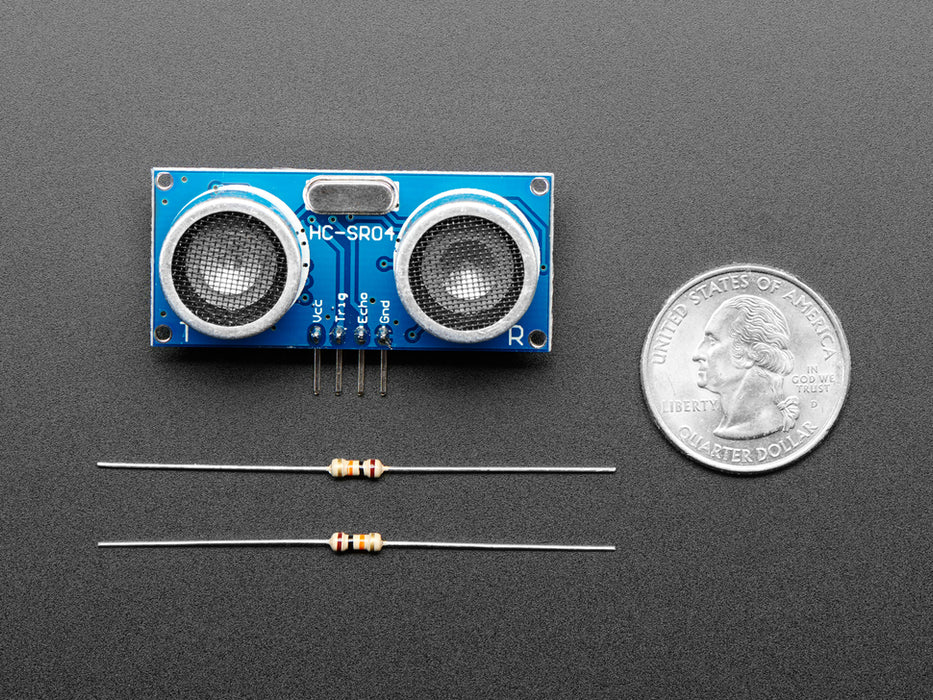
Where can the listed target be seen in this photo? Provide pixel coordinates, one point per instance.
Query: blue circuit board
(350, 280)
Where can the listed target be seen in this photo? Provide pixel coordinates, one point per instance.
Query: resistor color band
(342, 542)
(370, 468)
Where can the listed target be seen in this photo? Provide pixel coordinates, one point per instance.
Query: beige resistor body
(342, 542)
(370, 468)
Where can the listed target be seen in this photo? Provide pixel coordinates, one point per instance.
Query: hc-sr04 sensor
(351, 260)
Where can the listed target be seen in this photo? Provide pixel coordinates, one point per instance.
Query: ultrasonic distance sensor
(338, 260)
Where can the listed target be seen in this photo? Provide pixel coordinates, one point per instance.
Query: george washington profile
(744, 357)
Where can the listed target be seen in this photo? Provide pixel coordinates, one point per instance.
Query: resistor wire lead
(369, 468)
(370, 542)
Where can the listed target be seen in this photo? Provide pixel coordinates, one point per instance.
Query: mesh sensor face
(466, 273)
(229, 269)
(466, 266)
(231, 265)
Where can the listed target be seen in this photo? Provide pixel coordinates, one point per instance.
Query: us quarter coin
(745, 369)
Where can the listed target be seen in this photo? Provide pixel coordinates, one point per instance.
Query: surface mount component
(335, 259)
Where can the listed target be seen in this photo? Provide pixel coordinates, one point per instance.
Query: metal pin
(315, 336)
(384, 338)
(361, 336)
(360, 371)
(337, 335)
(383, 372)
(338, 373)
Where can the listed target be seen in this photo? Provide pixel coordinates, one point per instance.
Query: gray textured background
(683, 136)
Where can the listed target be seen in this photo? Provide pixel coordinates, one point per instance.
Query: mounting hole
(164, 181)
(538, 339)
(162, 333)
(539, 186)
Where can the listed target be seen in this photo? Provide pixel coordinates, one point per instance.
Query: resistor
(371, 542)
(370, 468)
(342, 542)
